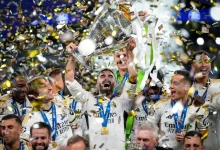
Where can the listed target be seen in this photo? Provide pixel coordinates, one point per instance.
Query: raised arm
(70, 67)
(127, 97)
(73, 86)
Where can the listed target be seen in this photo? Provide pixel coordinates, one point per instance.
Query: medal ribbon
(205, 93)
(180, 125)
(144, 105)
(105, 115)
(122, 83)
(54, 121)
(16, 110)
(74, 105)
(21, 147)
(61, 94)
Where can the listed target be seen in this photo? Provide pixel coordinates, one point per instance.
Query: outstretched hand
(198, 101)
(180, 137)
(70, 48)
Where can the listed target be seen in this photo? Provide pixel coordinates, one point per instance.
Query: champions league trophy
(109, 29)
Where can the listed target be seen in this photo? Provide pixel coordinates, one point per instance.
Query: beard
(8, 142)
(41, 144)
(104, 91)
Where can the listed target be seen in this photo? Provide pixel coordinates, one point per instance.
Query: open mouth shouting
(106, 85)
(173, 93)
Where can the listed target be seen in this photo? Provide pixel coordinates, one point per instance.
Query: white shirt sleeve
(215, 102)
(77, 91)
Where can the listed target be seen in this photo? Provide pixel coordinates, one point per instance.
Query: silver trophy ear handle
(80, 59)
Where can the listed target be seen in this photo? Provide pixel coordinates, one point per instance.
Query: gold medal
(54, 144)
(104, 130)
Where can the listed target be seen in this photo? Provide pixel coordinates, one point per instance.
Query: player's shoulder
(215, 95)
(1, 146)
(215, 81)
(31, 116)
(161, 102)
(5, 98)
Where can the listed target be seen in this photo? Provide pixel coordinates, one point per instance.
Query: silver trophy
(110, 22)
(109, 29)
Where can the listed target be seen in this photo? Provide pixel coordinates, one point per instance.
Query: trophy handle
(80, 59)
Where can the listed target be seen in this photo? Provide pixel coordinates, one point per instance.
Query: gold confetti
(5, 84)
(34, 53)
(132, 113)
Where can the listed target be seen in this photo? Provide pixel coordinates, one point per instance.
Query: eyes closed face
(11, 131)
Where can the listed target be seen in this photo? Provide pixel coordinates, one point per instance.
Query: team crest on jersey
(151, 112)
(71, 112)
(63, 116)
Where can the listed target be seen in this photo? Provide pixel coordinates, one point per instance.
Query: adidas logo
(137, 110)
(170, 117)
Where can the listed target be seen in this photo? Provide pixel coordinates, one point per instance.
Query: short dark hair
(200, 52)
(12, 116)
(106, 69)
(186, 75)
(193, 133)
(55, 72)
(76, 138)
(40, 125)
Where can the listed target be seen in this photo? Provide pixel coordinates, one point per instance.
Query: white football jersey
(164, 116)
(65, 118)
(9, 108)
(211, 143)
(213, 88)
(24, 144)
(115, 139)
(213, 140)
(79, 114)
(141, 116)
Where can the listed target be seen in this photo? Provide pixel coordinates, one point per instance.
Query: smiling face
(202, 64)
(19, 89)
(11, 131)
(106, 82)
(121, 58)
(179, 87)
(44, 90)
(40, 139)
